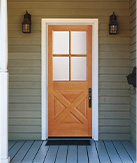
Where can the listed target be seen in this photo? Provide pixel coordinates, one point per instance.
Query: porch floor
(97, 152)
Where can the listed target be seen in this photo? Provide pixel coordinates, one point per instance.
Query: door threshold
(69, 138)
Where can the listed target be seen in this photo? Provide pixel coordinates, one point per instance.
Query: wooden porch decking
(97, 152)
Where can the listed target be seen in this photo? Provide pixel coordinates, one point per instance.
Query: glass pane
(60, 68)
(79, 42)
(61, 42)
(78, 68)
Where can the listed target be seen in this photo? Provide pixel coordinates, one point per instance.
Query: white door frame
(44, 76)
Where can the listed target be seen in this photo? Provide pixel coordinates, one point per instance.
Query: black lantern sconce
(113, 25)
(26, 24)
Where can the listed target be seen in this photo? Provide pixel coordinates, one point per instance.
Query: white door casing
(44, 77)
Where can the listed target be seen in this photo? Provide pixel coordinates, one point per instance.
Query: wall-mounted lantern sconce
(131, 78)
(113, 25)
(26, 24)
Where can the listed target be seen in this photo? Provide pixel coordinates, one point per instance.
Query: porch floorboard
(97, 152)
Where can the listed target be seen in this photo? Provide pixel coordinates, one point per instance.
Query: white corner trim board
(4, 117)
(3, 83)
(44, 77)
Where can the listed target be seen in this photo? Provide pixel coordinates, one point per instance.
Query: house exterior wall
(25, 64)
(133, 64)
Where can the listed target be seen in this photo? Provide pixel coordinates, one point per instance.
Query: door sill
(69, 138)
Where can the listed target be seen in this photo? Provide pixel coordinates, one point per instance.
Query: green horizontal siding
(25, 64)
(132, 64)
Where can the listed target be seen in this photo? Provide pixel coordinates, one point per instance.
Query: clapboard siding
(25, 64)
(67, 0)
(103, 20)
(104, 25)
(69, 11)
(24, 136)
(110, 122)
(27, 107)
(68, 5)
(23, 92)
(132, 64)
(114, 136)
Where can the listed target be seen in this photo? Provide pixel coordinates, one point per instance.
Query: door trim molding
(44, 71)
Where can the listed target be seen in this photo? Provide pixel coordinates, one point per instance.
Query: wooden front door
(69, 80)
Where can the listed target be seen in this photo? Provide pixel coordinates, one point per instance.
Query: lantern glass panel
(26, 28)
(113, 29)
